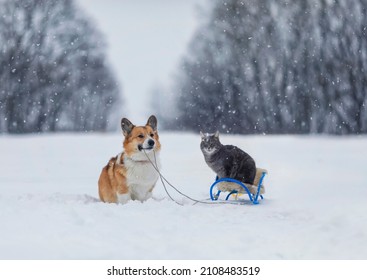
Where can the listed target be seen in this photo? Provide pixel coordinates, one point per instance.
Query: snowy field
(315, 205)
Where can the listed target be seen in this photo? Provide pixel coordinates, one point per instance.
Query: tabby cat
(227, 161)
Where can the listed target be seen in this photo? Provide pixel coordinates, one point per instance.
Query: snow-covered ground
(315, 205)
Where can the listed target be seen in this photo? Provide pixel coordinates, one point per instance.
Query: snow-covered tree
(53, 71)
(277, 67)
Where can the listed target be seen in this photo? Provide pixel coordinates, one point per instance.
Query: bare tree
(278, 67)
(53, 71)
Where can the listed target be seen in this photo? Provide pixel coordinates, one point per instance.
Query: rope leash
(163, 179)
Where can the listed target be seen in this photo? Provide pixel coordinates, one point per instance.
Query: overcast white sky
(146, 39)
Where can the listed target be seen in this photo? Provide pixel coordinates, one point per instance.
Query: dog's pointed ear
(152, 122)
(216, 135)
(126, 126)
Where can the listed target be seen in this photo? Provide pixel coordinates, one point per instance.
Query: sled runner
(233, 186)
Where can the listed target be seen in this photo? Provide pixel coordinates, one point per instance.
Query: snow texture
(314, 206)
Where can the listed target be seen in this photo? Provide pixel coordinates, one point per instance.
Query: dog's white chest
(141, 178)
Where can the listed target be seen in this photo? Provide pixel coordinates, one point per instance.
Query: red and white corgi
(130, 175)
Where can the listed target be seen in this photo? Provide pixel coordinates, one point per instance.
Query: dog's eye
(152, 135)
(141, 136)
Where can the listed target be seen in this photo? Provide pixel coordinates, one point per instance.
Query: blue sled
(254, 198)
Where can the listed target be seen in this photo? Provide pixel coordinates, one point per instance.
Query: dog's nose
(151, 142)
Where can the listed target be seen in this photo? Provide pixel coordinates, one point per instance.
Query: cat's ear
(202, 135)
(216, 135)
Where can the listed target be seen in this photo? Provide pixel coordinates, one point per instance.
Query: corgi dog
(130, 175)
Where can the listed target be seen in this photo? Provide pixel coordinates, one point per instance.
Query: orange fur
(118, 178)
(132, 140)
(112, 181)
